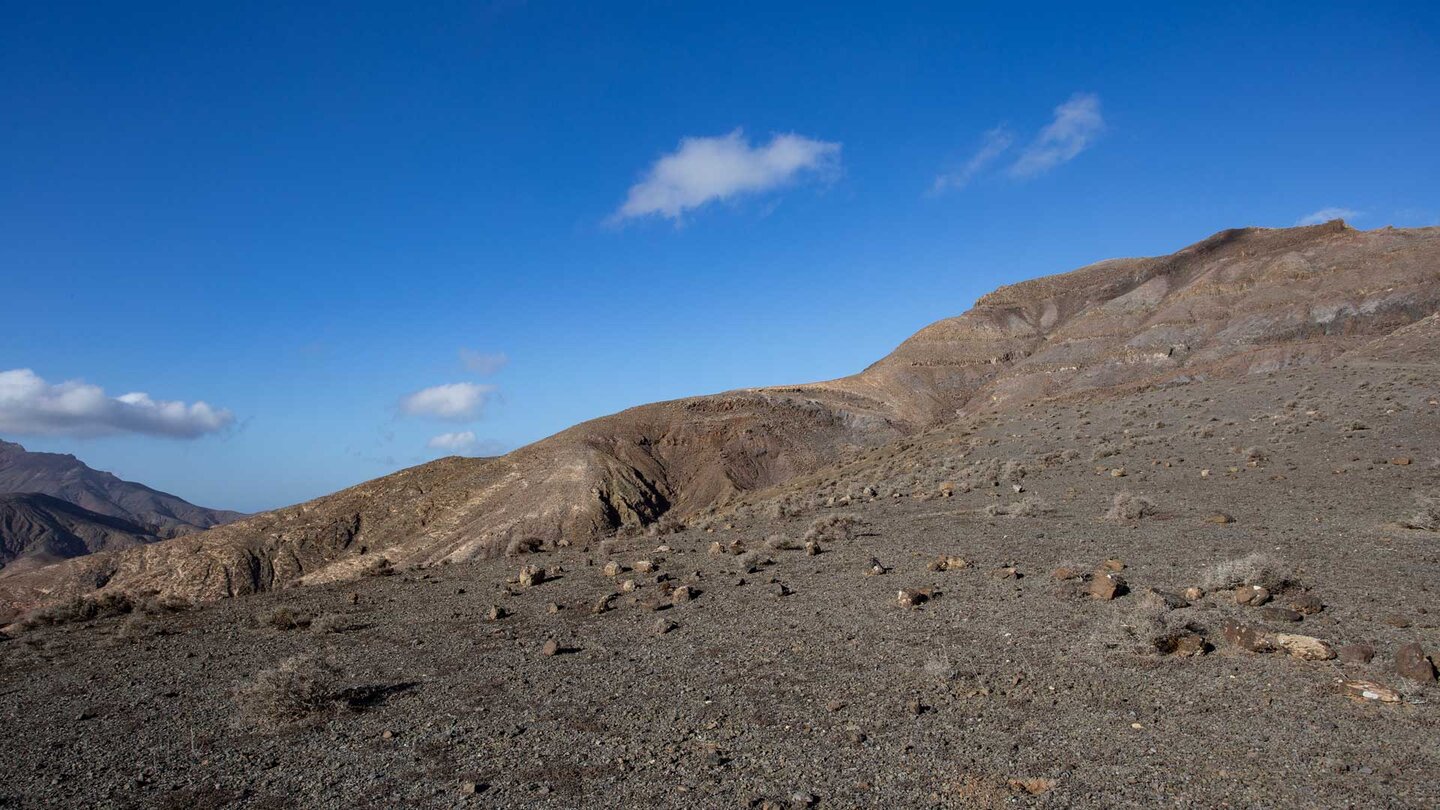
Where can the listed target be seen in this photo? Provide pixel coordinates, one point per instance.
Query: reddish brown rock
(1247, 637)
(1411, 662)
(1107, 585)
(1356, 654)
(1252, 595)
(1276, 613)
(1306, 604)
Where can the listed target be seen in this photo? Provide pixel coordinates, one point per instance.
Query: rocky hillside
(36, 530)
(1241, 302)
(70, 479)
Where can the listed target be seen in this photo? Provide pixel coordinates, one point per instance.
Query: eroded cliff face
(1242, 301)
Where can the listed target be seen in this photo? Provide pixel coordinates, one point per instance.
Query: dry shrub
(1129, 506)
(81, 609)
(298, 688)
(1258, 568)
(1428, 516)
(284, 618)
(519, 546)
(378, 567)
(779, 542)
(832, 529)
(1025, 507)
(332, 623)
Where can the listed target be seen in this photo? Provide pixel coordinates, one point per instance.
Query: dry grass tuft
(1258, 568)
(1428, 516)
(1129, 506)
(298, 688)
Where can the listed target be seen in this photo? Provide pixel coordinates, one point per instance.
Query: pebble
(495, 613)
(1356, 653)
(1252, 595)
(1279, 614)
(550, 649)
(1306, 604)
(663, 626)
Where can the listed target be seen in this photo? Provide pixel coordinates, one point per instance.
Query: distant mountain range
(54, 506)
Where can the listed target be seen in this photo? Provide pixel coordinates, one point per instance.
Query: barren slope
(1242, 301)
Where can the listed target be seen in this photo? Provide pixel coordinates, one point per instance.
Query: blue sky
(313, 218)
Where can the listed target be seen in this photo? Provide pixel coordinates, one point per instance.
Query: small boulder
(682, 594)
(644, 566)
(1369, 690)
(531, 575)
(550, 649)
(612, 569)
(663, 626)
(495, 613)
(1064, 573)
(604, 604)
(1112, 564)
(1252, 595)
(875, 568)
(1306, 648)
(1411, 662)
(1356, 654)
(1220, 518)
(911, 598)
(1247, 637)
(1275, 613)
(1194, 594)
(812, 548)
(1107, 585)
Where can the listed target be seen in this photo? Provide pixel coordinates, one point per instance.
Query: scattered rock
(1369, 690)
(1397, 621)
(1185, 642)
(612, 569)
(1154, 597)
(1411, 662)
(1006, 572)
(716, 550)
(1062, 574)
(628, 586)
(1306, 648)
(915, 707)
(550, 649)
(911, 598)
(1247, 637)
(1275, 613)
(812, 548)
(1252, 595)
(553, 607)
(1194, 594)
(663, 626)
(779, 589)
(1112, 564)
(473, 788)
(644, 566)
(1220, 518)
(682, 594)
(875, 568)
(531, 575)
(1401, 461)
(605, 603)
(495, 613)
(1107, 585)
(1306, 604)
(1356, 654)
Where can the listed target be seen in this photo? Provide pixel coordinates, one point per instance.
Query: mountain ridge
(1242, 301)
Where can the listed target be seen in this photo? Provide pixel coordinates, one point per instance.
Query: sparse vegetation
(1258, 568)
(1427, 517)
(284, 618)
(81, 609)
(1025, 507)
(296, 689)
(832, 529)
(1127, 505)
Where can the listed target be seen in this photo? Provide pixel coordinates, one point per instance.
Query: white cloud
(1076, 125)
(703, 170)
(483, 362)
(31, 406)
(992, 145)
(463, 440)
(456, 401)
(1327, 214)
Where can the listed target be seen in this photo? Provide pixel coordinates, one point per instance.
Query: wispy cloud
(463, 440)
(1327, 214)
(1076, 125)
(30, 406)
(992, 146)
(707, 169)
(456, 401)
(484, 363)
(465, 443)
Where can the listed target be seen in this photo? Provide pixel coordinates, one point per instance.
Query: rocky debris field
(1214, 594)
